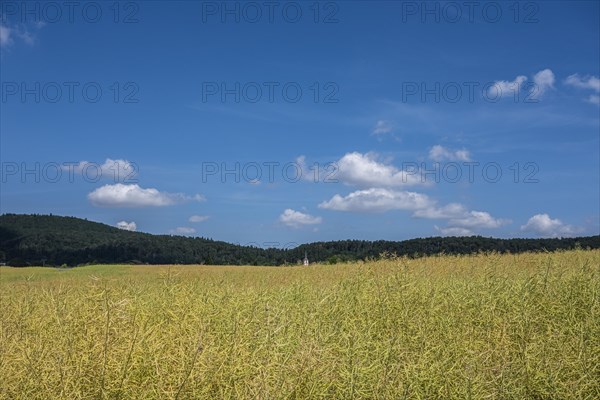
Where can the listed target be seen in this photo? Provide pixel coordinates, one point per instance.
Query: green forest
(68, 241)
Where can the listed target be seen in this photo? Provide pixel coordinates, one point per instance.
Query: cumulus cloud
(122, 195)
(440, 153)
(586, 82)
(506, 88)
(379, 193)
(460, 220)
(296, 219)
(543, 80)
(543, 225)
(358, 169)
(452, 210)
(365, 170)
(377, 200)
(117, 170)
(382, 127)
(182, 230)
(307, 172)
(128, 226)
(317, 172)
(381, 200)
(198, 218)
(478, 219)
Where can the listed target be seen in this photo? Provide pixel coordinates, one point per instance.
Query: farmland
(479, 326)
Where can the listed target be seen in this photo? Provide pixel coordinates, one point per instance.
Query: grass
(482, 327)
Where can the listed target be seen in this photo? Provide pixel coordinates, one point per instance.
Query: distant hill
(56, 240)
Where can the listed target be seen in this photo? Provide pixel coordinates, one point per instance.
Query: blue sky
(291, 122)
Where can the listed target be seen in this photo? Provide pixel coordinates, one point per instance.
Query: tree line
(58, 241)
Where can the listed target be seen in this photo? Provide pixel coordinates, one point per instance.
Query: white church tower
(305, 259)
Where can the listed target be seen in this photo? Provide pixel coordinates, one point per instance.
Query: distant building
(305, 259)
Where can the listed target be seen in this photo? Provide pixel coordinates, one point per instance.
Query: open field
(487, 326)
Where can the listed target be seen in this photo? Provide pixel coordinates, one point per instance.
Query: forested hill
(54, 240)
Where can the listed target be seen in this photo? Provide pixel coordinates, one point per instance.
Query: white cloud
(317, 172)
(198, 218)
(452, 210)
(182, 230)
(543, 80)
(461, 220)
(382, 127)
(122, 195)
(440, 153)
(381, 200)
(543, 225)
(128, 226)
(119, 167)
(116, 170)
(377, 200)
(478, 219)
(5, 36)
(454, 231)
(296, 219)
(506, 88)
(8, 34)
(365, 170)
(587, 82)
(307, 173)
